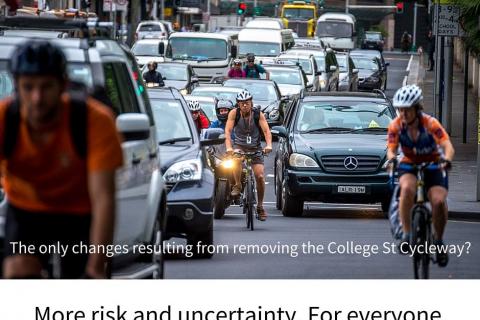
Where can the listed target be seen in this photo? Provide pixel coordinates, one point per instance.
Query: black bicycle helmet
(223, 104)
(38, 58)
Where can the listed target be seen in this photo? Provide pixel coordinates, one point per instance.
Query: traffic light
(399, 7)
(242, 8)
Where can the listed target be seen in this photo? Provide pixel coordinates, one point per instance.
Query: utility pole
(162, 8)
(447, 102)
(134, 20)
(436, 87)
(347, 3)
(415, 6)
(208, 13)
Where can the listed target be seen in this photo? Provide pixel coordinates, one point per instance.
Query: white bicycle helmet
(237, 61)
(407, 96)
(244, 95)
(193, 105)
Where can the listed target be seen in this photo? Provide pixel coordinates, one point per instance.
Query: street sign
(448, 25)
(115, 5)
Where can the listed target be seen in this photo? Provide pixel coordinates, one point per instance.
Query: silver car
(308, 64)
(348, 73)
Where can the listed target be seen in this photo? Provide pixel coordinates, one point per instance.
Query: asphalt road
(292, 247)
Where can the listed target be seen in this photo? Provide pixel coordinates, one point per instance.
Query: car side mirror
(279, 131)
(387, 64)
(133, 126)
(164, 78)
(212, 133)
(212, 142)
(194, 79)
(161, 48)
(333, 68)
(354, 71)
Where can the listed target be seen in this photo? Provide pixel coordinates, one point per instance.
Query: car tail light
(135, 75)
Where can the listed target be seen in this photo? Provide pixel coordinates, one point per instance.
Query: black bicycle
(248, 197)
(421, 215)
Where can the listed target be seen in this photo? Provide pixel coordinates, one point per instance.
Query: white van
(264, 43)
(265, 23)
(337, 30)
(210, 54)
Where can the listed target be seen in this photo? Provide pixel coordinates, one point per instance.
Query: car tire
(291, 206)
(206, 238)
(385, 207)
(220, 198)
(278, 193)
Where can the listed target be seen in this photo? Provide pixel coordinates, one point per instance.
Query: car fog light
(188, 214)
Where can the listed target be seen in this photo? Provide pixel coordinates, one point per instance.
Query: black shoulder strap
(237, 116)
(78, 124)
(12, 122)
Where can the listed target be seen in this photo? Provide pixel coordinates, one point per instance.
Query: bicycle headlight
(302, 161)
(274, 115)
(228, 164)
(188, 170)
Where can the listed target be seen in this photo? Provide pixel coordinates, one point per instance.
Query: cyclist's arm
(448, 150)
(392, 141)
(229, 129)
(101, 186)
(266, 130)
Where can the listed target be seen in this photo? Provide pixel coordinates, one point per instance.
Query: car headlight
(188, 170)
(323, 83)
(302, 161)
(274, 115)
(228, 164)
(372, 79)
(184, 92)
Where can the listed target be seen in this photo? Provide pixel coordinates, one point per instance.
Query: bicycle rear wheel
(249, 202)
(421, 236)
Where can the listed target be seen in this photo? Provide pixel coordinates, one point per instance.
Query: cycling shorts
(432, 177)
(256, 159)
(47, 229)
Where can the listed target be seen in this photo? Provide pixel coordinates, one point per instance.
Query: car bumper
(316, 186)
(190, 206)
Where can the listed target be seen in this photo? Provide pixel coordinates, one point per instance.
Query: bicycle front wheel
(249, 203)
(420, 237)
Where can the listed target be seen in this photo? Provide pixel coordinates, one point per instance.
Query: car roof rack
(101, 29)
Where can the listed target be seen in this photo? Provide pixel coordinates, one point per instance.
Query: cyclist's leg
(258, 170)
(237, 174)
(408, 183)
(437, 188)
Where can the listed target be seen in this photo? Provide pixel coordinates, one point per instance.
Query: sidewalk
(463, 177)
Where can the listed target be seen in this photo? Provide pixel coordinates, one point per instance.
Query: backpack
(256, 69)
(78, 126)
(256, 117)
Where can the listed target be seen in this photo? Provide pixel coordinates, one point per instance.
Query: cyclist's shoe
(236, 190)
(261, 214)
(441, 257)
(404, 244)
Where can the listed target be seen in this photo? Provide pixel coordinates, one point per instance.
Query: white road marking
(404, 82)
(409, 63)
(270, 176)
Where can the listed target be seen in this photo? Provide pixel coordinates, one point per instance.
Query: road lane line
(270, 176)
(404, 82)
(409, 63)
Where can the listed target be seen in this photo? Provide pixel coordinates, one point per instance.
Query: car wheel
(205, 239)
(291, 206)
(278, 193)
(220, 199)
(385, 207)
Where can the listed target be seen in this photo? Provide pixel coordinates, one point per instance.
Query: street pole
(436, 86)
(347, 3)
(465, 97)
(447, 102)
(414, 48)
(208, 13)
(441, 79)
(254, 6)
(162, 8)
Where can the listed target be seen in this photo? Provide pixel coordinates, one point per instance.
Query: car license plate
(351, 189)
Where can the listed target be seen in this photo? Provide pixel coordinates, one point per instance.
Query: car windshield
(365, 63)
(285, 76)
(170, 119)
(209, 108)
(6, 81)
(298, 14)
(349, 116)
(373, 36)
(261, 91)
(172, 72)
(198, 49)
(304, 63)
(150, 27)
(145, 49)
(260, 48)
(225, 95)
(334, 29)
(342, 62)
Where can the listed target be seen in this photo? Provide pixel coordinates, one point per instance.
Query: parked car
(207, 104)
(371, 75)
(290, 79)
(266, 95)
(168, 25)
(332, 149)
(225, 93)
(327, 64)
(348, 77)
(177, 75)
(189, 180)
(105, 65)
(378, 55)
(308, 64)
(151, 30)
(373, 40)
(147, 50)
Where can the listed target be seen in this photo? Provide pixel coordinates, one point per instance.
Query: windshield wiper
(327, 129)
(174, 140)
(374, 129)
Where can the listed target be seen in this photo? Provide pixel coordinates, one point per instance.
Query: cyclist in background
(152, 75)
(201, 121)
(236, 71)
(253, 70)
(248, 124)
(420, 137)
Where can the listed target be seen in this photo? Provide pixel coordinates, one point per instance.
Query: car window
(342, 62)
(145, 49)
(150, 27)
(80, 73)
(232, 96)
(366, 63)
(260, 91)
(119, 88)
(209, 110)
(170, 119)
(348, 115)
(304, 63)
(173, 72)
(6, 81)
(373, 36)
(285, 76)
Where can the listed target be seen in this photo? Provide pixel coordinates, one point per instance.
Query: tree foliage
(470, 20)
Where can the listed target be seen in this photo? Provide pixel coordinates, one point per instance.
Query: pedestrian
(406, 41)
(431, 50)
(253, 70)
(236, 71)
(59, 179)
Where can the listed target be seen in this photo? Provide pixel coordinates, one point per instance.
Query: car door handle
(152, 155)
(136, 160)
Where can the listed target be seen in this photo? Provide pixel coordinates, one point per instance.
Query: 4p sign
(448, 25)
